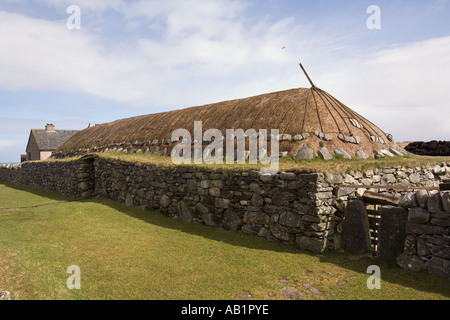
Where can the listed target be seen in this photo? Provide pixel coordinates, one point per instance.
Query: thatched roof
(293, 112)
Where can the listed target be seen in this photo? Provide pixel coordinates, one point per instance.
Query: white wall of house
(45, 155)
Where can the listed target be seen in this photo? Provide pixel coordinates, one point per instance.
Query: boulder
(184, 212)
(387, 153)
(164, 201)
(441, 222)
(415, 178)
(311, 244)
(395, 152)
(361, 155)
(222, 203)
(410, 245)
(342, 153)
(408, 200)
(377, 154)
(441, 251)
(324, 154)
(129, 200)
(232, 221)
(210, 219)
(201, 208)
(411, 262)
(256, 217)
(288, 176)
(289, 219)
(304, 153)
(418, 215)
(389, 178)
(284, 137)
(439, 267)
(305, 135)
(434, 204)
(422, 197)
(420, 228)
(423, 249)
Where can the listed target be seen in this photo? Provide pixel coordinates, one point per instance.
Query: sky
(114, 59)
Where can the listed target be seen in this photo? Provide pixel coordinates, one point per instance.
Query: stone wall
(305, 209)
(74, 178)
(289, 207)
(380, 179)
(11, 173)
(427, 243)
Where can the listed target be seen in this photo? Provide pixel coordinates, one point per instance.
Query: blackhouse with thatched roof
(308, 119)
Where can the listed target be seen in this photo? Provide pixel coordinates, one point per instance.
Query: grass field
(126, 253)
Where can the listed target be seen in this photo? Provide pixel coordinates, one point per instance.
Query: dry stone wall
(304, 209)
(289, 207)
(74, 178)
(353, 184)
(427, 243)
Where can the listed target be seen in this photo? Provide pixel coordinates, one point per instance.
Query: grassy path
(126, 253)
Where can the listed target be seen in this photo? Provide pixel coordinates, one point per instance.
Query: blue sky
(138, 57)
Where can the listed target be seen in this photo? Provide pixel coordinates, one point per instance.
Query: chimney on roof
(50, 127)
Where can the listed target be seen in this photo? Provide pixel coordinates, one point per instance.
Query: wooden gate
(373, 213)
(373, 202)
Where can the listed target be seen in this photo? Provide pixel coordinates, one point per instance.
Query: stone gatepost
(355, 227)
(392, 232)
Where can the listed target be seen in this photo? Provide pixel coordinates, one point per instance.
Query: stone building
(42, 142)
(311, 123)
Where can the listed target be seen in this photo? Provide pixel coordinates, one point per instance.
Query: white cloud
(36, 54)
(403, 89)
(198, 43)
(205, 52)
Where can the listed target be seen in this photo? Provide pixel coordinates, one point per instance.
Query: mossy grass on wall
(337, 164)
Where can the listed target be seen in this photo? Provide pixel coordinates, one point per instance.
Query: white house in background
(42, 142)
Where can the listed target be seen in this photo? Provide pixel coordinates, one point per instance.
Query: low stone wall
(305, 209)
(74, 178)
(380, 179)
(427, 244)
(11, 173)
(289, 207)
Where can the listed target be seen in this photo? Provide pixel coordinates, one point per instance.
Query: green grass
(126, 253)
(19, 197)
